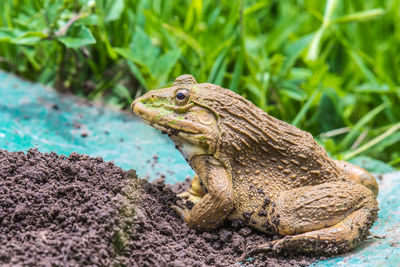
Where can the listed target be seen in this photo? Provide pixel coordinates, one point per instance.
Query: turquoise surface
(32, 115)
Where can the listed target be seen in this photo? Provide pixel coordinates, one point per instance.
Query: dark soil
(78, 210)
(57, 210)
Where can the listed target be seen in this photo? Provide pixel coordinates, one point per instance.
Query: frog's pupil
(180, 96)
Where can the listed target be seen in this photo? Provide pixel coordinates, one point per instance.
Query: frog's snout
(140, 110)
(136, 107)
(133, 106)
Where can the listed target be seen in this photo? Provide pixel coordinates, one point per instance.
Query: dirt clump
(78, 210)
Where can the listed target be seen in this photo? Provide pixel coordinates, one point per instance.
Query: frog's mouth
(166, 129)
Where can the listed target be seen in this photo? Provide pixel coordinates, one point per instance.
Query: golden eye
(181, 96)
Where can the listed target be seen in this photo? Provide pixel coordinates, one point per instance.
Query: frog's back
(266, 155)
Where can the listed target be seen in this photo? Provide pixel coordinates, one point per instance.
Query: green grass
(329, 67)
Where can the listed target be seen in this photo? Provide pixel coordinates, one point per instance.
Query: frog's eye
(181, 96)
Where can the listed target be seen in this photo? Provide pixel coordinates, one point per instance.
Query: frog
(263, 172)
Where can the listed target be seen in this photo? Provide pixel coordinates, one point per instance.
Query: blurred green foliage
(329, 67)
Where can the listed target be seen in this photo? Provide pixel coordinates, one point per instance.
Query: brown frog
(267, 173)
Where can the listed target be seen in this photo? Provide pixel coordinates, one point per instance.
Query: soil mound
(78, 210)
(56, 210)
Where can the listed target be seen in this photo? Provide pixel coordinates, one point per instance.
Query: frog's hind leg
(359, 175)
(323, 219)
(340, 237)
(195, 192)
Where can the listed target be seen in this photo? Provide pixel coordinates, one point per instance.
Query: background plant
(329, 67)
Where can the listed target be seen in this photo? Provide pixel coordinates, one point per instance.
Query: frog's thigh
(331, 216)
(359, 175)
(195, 192)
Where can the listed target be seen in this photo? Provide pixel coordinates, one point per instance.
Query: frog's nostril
(132, 106)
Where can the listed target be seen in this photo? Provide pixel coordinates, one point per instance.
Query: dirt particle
(266, 203)
(246, 231)
(262, 213)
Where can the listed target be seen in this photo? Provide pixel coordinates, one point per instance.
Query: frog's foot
(359, 175)
(324, 219)
(195, 192)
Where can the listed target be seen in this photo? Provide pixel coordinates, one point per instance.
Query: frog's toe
(278, 245)
(274, 246)
(269, 247)
(180, 211)
(184, 195)
(284, 244)
(189, 197)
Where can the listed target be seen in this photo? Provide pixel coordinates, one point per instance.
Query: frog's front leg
(216, 203)
(322, 219)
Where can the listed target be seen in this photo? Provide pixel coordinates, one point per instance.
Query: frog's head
(176, 111)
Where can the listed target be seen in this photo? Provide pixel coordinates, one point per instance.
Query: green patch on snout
(154, 101)
(156, 108)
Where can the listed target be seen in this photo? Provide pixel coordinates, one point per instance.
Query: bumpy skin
(255, 168)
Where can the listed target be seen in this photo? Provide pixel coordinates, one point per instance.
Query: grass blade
(300, 116)
(373, 142)
(360, 16)
(362, 122)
